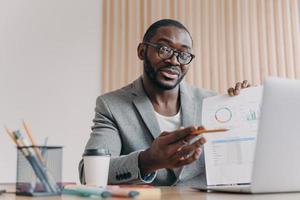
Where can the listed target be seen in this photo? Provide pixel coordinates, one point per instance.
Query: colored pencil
(28, 132)
(10, 135)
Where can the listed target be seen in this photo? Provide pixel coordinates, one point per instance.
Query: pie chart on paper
(223, 115)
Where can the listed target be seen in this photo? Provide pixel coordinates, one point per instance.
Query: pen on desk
(83, 190)
(122, 192)
(202, 131)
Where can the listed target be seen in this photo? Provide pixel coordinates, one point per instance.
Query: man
(147, 125)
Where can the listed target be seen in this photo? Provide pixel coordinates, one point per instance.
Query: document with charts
(229, 155)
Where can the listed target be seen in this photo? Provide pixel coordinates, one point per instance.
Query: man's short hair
(164, 22)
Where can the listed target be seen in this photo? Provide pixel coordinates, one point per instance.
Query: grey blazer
(125, 123)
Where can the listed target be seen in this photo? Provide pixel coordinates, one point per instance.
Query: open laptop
(276, 165)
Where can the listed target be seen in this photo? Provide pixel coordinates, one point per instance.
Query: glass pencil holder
(39, 170)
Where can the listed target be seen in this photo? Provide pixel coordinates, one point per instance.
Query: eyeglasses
(165, 52)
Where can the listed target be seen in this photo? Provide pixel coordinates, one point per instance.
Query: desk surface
(175, 193)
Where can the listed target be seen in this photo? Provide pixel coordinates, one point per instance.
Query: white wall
(49, 75)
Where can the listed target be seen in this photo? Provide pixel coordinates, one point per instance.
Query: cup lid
(96, 152)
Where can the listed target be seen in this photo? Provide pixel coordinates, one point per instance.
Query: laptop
(276, 165)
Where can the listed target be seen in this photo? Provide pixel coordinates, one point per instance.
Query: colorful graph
(252, 115)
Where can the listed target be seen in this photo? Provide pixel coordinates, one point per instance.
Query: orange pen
(201, 131)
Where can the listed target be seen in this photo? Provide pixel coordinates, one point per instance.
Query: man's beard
(152, 75)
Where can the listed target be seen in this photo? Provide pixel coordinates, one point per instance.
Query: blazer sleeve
(105, 134)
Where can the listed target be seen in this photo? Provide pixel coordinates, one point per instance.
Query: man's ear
(141, 50)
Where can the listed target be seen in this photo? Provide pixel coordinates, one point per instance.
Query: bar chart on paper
(229, 156)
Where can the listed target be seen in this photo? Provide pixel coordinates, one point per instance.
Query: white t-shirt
(172, 123)
(167, 123)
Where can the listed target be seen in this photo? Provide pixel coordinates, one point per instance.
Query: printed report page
(229, 155)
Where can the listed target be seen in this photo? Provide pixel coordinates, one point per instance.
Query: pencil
(201, 131)
(38, 153)
(123, 192)
(28, 133)
(10, 135)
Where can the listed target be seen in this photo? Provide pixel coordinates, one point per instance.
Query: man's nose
(173, 60)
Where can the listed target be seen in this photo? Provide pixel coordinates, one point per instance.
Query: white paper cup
(96, 167)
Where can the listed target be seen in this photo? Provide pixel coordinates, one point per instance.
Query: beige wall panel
(289, 60)
(188, 22)
(104, 53)
(222, 59)
(279, 38)
(254, 42)
(230, 43)
(122, 42)
(213, 43)
(238, 40)
(294, 5)
(127, 38)
(197, 67)
(246, 41)
(206, 45)
(112, 47)
(270, 22)
(262, 38)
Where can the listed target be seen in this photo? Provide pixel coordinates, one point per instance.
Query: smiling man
(147, 125)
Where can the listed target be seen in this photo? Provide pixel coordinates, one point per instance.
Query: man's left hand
(238, 86)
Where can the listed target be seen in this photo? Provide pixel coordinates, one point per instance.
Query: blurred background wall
(49, 75)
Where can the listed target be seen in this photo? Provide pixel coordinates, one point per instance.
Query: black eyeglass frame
(159, 46)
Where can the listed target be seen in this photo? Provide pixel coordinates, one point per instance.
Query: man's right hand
(171, 150)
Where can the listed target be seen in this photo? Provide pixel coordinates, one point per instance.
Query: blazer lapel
(145, 108)
(188, 106)
(147, 113)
